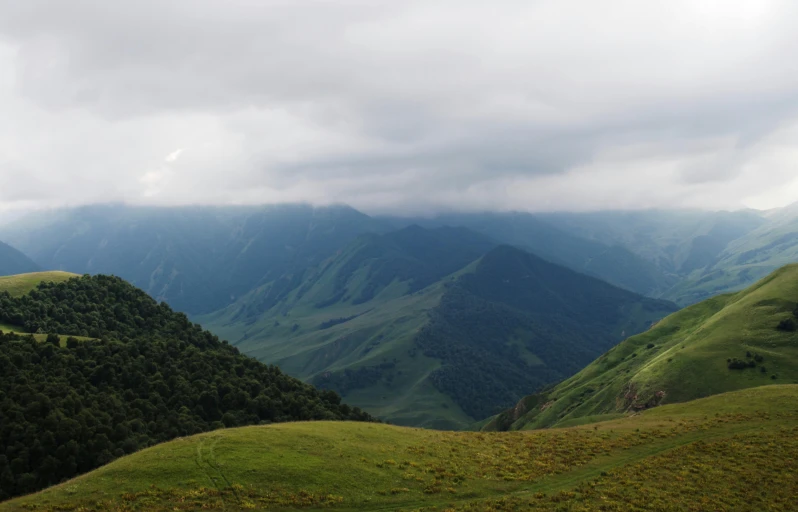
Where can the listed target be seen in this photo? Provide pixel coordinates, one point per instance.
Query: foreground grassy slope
(21, 284)
(685, 356)
(736, 451)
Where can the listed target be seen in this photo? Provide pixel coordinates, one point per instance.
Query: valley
(117, 401)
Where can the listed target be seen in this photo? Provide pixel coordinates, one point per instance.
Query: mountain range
(370, 306)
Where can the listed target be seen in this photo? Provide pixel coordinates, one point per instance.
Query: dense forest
(518, 323)
(150, 376)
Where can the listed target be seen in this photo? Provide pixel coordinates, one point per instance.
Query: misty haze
(415, 255)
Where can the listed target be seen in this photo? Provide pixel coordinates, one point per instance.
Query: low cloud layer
(411, 106)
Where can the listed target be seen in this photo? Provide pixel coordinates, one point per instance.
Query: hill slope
(438, 342)
(14, 262)
(150, 376)
(725, 343)
(21, 284)
(731, 452)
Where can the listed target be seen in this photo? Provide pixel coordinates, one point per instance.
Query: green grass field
(736, 451)
(21, 284)
(684, 357)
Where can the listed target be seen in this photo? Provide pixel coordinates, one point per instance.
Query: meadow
(735, 451)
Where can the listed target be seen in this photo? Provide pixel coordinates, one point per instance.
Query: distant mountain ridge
(198, 259)
(13, 262)
(425, 310)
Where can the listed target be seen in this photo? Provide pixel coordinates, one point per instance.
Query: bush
(650, 345)
(787, 325)
(737, 364)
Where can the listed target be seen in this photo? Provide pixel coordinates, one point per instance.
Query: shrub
(650, 345)
(737, 364)
(787, 325)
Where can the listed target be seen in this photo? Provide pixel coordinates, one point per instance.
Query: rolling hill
(130, 373)
(21, 284)
(419, 328)
(14, 262)
(736, 451)
(726, 343)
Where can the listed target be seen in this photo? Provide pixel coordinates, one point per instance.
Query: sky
(411, 106)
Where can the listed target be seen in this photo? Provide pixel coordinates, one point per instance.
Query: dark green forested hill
(518, 322)
(435, 327)
(14, 262)
(149, 376)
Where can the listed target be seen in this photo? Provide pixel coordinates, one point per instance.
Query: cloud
(401, 106)
(173, 156)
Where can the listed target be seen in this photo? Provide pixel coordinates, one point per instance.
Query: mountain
(14, 262)
(735, 451)
(198, 259)
(746, 259)
(611, 262)
(117, 372)
(434, 328)
(725, 343)
(676, 241)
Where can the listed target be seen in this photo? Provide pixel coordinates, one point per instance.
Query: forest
(149, 376)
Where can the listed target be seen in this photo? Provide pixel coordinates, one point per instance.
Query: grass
(21, 284)
(736, 451)
(682, 358)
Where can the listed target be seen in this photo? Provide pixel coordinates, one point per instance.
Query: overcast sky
(400, 105)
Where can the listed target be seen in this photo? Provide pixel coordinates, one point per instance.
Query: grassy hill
(735, 451)
(21, 284)
(726, 343)
(14, 262)
(416, 328)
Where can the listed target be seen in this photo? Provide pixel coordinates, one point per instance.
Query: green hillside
(736, 451)
(726, 343)
(415, 328)
(147, 375)
(14, 262)
(21, 284)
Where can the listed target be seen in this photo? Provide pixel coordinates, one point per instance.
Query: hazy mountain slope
(14, 262)
(149, 375)
(745, 260)
(687, 355)
(676, 241)
(735, 451)
(610, 262)
(408, 353)
(198, 259)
